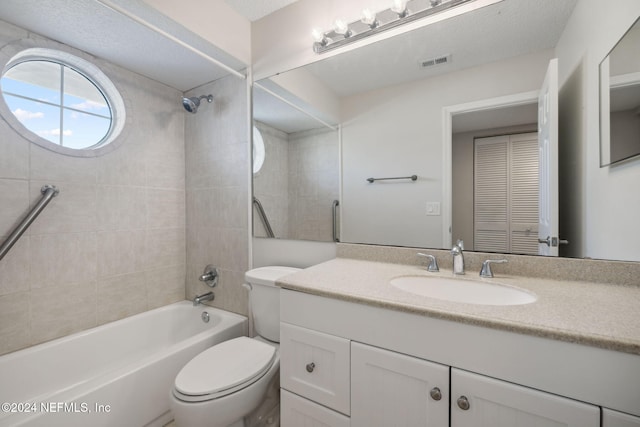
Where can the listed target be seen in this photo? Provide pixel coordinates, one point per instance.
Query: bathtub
(118, 374)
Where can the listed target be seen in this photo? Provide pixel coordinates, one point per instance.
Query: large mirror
(620, 100)
(392, 107)
(295, 170)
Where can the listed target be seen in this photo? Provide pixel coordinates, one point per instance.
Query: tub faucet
(458, 257)
(209, 296)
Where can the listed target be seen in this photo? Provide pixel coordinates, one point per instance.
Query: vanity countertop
(599, 315)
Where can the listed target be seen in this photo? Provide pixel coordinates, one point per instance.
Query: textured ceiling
(91, 26)
(493, 33)
(503, 30)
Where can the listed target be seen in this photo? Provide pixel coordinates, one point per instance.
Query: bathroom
(174, 193)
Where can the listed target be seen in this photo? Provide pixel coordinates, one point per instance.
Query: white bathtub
(118, 374)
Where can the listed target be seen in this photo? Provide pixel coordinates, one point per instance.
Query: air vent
(438, 60)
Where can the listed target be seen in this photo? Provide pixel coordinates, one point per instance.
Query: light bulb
(400, 7)
(340, 26)
(369, 18)
(318, 35)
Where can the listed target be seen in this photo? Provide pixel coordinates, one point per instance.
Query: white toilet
(226, 382)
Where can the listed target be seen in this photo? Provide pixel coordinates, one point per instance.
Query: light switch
(433, 208)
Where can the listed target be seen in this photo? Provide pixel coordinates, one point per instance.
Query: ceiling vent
(438, 60)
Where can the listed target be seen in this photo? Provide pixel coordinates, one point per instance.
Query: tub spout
(204, 297)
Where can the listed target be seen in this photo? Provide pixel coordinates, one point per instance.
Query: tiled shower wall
(298, 183)
(217, 183)
(112, 244)
(271, 183)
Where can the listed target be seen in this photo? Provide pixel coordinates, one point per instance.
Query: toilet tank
(264, 299)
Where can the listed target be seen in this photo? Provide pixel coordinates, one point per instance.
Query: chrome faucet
(199, 299)
(486, 267)
(433, 263)
(458, 257)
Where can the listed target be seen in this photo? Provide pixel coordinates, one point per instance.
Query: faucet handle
(433, 263)
(485, 271)
(460, 244)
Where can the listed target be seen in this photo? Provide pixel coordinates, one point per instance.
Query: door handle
(553, 241)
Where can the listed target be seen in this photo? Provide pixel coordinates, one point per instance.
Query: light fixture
(400, 8)
(369, 18)
(340, 26)
(399, 13)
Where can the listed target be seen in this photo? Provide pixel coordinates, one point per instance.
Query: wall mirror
(296, 187)
(390, 110)
(620, 100)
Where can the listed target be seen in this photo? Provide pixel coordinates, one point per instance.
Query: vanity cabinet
(392, 389)
(387, 388)
(479, 401)
(347, 364)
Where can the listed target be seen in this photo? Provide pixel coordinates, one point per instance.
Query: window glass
(58, 103)
(258, 150)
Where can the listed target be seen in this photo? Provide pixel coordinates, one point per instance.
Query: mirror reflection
(400, 118)
(620, 103)
(297, 181)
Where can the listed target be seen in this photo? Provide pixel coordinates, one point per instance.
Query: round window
(60, 101)
(258, 150)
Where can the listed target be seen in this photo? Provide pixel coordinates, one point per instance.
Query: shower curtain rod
(109, 4)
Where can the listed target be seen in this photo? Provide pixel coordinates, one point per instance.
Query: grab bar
(412, 178)
(334, 211)
(263, 217)
(48, 193)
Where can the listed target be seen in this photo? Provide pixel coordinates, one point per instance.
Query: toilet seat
(224, 369)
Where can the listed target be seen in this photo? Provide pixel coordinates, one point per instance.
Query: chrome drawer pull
(310, 367)
(435, 393)
(463, 403)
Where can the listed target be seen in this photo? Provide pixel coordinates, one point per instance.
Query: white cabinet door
(617, 419)
(296, 411)
(479, 401)
(315, 365)
(392, 389)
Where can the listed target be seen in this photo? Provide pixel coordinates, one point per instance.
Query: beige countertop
(599, 315)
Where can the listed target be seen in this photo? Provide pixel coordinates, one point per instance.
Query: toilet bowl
(223, 384)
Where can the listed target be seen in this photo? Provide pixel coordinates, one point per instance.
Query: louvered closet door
(491, 204)
(506, 194)
(524, 193)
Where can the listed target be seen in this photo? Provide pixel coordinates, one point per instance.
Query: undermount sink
(462, 290)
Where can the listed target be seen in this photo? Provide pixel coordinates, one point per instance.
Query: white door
(479, 401)
(392, 389)
(617, 419)
(548, 158)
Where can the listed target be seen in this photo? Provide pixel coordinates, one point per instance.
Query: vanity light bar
(371, 24)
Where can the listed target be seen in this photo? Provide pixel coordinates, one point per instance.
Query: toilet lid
(225, 367)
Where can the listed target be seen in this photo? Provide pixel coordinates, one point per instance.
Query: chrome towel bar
(412, 178)
(48, 193)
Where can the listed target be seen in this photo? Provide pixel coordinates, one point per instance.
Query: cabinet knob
(463, 403)
(435, 393)
(310, 367)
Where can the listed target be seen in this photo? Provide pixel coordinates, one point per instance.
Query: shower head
(192, 104)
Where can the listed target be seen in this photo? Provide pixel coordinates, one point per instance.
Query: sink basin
(462, 290)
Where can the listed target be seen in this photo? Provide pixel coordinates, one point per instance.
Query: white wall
(397, 131)
(610, 208)
(215, 21)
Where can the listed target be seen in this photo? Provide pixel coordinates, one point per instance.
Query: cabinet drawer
(297, 411)
(316, 366)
